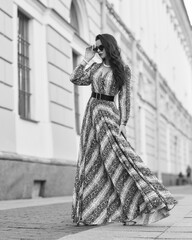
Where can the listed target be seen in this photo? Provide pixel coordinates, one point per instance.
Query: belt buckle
(99, 96)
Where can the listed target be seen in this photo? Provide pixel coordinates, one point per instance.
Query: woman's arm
(124, 98)
(80, 76)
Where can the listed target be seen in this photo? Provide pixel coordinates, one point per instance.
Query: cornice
(183, 19)
(119, 20)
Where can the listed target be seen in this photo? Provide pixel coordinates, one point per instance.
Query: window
(23, 67)
(77, 110)
(74, 18)
(38, 188)
(77, 95)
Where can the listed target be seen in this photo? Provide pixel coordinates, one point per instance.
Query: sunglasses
(100, 47)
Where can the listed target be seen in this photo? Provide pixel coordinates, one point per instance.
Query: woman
(112, 183)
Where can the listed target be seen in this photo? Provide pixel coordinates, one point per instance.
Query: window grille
(23, 67)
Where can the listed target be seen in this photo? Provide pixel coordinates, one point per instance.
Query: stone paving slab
(176, 235)
(182, 189)
(136, 228)
(111, 235)
(169, 238)
(186, 222)
(179, 229)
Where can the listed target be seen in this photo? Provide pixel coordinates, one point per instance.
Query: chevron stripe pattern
(112, 182)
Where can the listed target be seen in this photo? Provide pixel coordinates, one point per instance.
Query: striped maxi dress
(112, 182)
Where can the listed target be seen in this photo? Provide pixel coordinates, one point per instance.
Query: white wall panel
(150, 125)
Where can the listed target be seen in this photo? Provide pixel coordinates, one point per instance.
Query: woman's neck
(106, 62)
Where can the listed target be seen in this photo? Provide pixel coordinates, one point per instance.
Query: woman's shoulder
(91, 66)
(96, 64)
(127, 69)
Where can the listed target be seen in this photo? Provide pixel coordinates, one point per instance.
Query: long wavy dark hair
(114, 56)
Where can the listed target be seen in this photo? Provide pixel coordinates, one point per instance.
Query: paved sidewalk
(49, 219)
(37, 219)
(177, 226)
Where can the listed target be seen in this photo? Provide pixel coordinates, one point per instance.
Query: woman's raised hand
(89, 53)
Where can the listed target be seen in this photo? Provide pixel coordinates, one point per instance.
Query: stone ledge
(32, 159)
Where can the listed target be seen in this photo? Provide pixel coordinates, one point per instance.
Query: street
(40, 219)
(48, 222)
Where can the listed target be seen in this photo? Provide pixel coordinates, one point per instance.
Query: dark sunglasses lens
(101, 47)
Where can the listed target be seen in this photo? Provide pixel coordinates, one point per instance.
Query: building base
(169, 179)
(22, 180)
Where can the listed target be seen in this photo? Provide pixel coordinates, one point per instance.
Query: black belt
(101, 96)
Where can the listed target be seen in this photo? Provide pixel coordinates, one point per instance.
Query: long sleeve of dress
(80, 76)
(124, 98)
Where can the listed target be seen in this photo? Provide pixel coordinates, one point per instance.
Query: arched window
(74, 17)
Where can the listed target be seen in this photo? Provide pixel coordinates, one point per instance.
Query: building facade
(41, 111)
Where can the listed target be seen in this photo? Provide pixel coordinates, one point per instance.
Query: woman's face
(100, 49)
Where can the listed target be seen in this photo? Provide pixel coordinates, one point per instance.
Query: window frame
(75, 58)
(24, 69)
